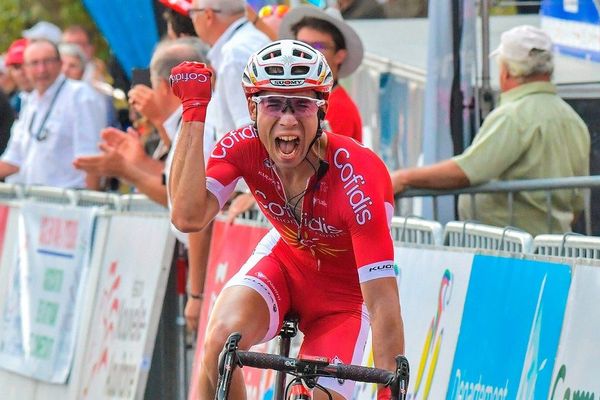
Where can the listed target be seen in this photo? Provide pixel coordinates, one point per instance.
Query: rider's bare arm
(381, 298)
(193, 207)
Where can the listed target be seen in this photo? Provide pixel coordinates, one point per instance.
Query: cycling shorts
(335, 323)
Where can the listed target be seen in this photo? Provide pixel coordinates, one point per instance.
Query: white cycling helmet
(287, 65)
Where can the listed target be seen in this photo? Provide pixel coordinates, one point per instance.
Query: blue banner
(510, 329)
(129, 27)
(586, 11)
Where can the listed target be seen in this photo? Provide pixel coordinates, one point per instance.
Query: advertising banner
(133, 276)
(231, 246)
(40, 316)
(578, 361)
(510, 329)
(574, 26)
(433, 285)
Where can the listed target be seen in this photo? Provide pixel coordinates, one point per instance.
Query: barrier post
(181, 264)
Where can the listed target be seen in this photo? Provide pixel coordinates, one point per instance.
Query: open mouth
(287, 144)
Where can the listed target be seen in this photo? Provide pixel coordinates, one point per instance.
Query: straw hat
(354, 45)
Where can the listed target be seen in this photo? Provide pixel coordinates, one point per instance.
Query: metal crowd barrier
(253, 217)
(414, 230)
(512, 187)
(82, 198)
(568, 245)
(479, 236)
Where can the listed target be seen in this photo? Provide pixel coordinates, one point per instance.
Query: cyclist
(329, 258)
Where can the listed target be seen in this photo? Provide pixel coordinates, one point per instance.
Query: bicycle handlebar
(340, 371)
(231, 357)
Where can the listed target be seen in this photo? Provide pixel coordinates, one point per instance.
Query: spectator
(43, 30)
(73, 61)
(14, 66)
(59, 123)
(361, 9)
(327, 32)
(532, 134)
(73, 66)
(178, 25)
(7, 84)
(95, 69)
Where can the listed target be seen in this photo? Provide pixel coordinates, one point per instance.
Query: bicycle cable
(301, 381)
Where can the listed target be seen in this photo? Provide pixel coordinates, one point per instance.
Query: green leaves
(17, 15)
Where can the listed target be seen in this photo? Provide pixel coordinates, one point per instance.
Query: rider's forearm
(187, 181)
(388, 339)
(386, 323)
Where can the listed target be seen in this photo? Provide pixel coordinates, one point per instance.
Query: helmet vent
(274, 70)
(272, 54)
(300, 70)
(301, 54)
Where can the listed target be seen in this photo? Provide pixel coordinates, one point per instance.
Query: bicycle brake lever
(400, 386)
(230, 347)
(232, 342)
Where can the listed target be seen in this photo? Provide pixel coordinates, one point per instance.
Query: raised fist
(190, 82)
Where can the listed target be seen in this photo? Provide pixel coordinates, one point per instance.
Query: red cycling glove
(384, 393)
(190, 82)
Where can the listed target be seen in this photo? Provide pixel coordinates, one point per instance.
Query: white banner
(128, 302)
(577, 363)
(433, 286)
(40, 317)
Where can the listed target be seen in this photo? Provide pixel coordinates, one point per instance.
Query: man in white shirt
(232, 39)
(62, 120)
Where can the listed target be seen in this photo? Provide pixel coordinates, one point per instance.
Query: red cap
(14, 55)
(181, 6)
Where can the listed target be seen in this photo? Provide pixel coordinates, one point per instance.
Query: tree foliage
(17, 15)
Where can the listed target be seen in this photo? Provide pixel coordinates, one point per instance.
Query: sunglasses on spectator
(276, 105)
(321, 46)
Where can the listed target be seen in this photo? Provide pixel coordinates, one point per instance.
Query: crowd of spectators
(59, 125)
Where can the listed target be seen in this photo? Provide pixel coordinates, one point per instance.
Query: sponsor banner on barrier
(433, 285)
(578, 361)
(231, 246)
(40, 316)
(510, 329)
(132, 279)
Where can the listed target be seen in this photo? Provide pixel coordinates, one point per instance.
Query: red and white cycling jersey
(346, 215)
